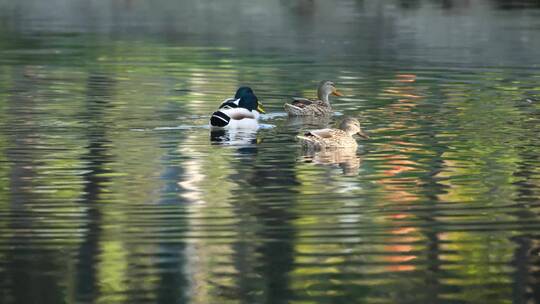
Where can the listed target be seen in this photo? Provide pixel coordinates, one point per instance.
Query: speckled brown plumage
(318, 107)
(333, 138)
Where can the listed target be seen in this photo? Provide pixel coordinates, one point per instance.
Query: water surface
(113, 190)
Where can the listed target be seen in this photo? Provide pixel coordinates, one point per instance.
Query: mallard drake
(242, 111)
(318, 107)
(334, 138)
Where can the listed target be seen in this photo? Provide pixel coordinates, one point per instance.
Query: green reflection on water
(112, 192)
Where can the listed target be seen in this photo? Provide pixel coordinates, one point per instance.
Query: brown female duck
(318, 107)
(334, 138)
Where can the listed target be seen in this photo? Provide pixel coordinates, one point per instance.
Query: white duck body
(230, 116)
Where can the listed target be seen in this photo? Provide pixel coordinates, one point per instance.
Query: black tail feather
(219, 119)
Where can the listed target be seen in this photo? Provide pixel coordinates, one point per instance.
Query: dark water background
(111, 190)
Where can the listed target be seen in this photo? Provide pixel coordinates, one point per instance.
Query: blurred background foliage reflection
(111, 190)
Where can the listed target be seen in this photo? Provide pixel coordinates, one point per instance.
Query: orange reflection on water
(398, 189)
(399, 166)
(400, 250)
(406, 94)
(405, 77)
(400, 196)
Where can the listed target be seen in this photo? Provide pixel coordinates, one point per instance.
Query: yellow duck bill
(260, 108)
(337, 93)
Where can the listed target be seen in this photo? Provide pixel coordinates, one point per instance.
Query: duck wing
(229, 103)
(301, 102)
(321, 133)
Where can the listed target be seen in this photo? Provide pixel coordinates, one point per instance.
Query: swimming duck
(334, 138)
(242, 111)
(318, 107)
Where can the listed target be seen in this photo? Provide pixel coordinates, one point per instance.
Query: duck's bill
(260, 108)
(363, 135)
(337, 93)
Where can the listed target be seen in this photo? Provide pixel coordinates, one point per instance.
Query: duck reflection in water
(345, 158)
(245, 140)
